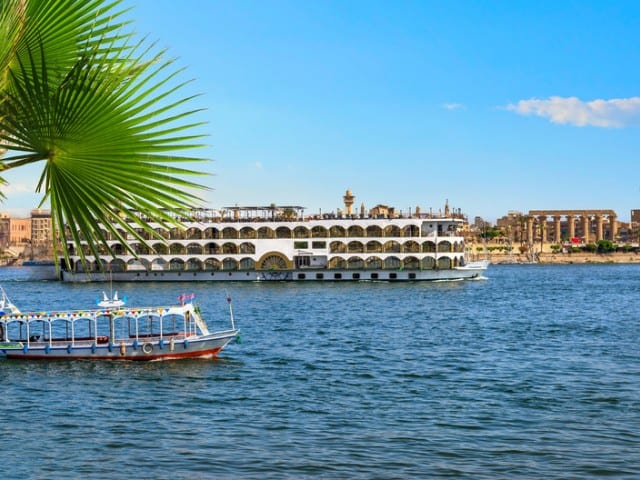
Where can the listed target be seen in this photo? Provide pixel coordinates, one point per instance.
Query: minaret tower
(348, 202)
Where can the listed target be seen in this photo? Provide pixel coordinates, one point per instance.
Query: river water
(532, 373)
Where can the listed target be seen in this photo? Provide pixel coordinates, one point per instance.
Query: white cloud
(452, 106)
(617, 112)
(13, 188)
(258, 165)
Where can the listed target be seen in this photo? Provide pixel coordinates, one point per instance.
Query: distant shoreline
(565, 258)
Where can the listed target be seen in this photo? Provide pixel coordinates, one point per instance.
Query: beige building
(5, 227)
(30, 236)
(635, 219)
(40, 227)
(19, 231)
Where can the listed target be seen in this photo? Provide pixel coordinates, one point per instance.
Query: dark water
(534, 373)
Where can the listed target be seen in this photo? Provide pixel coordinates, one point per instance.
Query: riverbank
(567, 258)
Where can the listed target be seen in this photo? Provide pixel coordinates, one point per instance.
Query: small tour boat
(112, 332)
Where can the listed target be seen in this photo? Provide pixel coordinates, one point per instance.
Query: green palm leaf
(107, 126)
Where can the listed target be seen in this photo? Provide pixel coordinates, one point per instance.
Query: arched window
(247, 233)
(392, 247)
(444, 263)
(283, 232)
(411, 247)
(176, 264)
(265, 232)
(319, 232)
(211, 233)
(355, 231)
(160, 248)
(445, 246)
(355, 247)
(159, 264)
(162, 232)
(177, 234)
(229, 248)
(337, 231)
(392, 231)
(411, 231)
(374, 246)
(355, 263)
(212, 249)
(229, 264)
(391, 263)
(177, 249)
(428, 247)
(337, 263)
(374, 231)
(194, 264)
(337, 247)
(229, 233)
(211, 264)
(247, 264)
(247, 248)
(411, 263)
(194, 233)
(194, 249)
(301, 232)
(374, 263)
(96, 266)
(428, 263)
(140, 249)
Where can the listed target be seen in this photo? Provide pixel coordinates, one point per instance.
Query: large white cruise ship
(278, 243)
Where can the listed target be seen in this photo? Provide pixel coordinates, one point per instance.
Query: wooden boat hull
(158, 349)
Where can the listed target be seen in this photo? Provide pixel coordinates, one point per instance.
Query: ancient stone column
(572, 226)
(557, 228)
(542, 222)
(613, 221)
(599, 235)
(529, 230)
(585, 228)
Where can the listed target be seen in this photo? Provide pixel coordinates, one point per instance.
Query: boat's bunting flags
(186, 297)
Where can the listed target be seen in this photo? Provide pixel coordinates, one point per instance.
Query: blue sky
(494, 106)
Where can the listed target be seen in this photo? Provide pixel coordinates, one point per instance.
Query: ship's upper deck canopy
(279, 213)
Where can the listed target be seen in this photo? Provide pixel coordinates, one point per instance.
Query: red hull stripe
(168, 356)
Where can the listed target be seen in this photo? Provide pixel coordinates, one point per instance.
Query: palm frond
(109, 127)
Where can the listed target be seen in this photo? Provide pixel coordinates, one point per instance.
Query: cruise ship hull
(470, 271)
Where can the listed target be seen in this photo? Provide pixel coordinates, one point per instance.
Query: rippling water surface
(534, 373)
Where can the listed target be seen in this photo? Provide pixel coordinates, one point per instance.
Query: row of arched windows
(392, 246)
(247, 248)
(282, 232)
(335, 263)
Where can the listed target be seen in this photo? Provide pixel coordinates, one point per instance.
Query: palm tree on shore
(103, 113)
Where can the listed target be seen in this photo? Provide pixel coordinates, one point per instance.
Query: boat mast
(233, 327)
